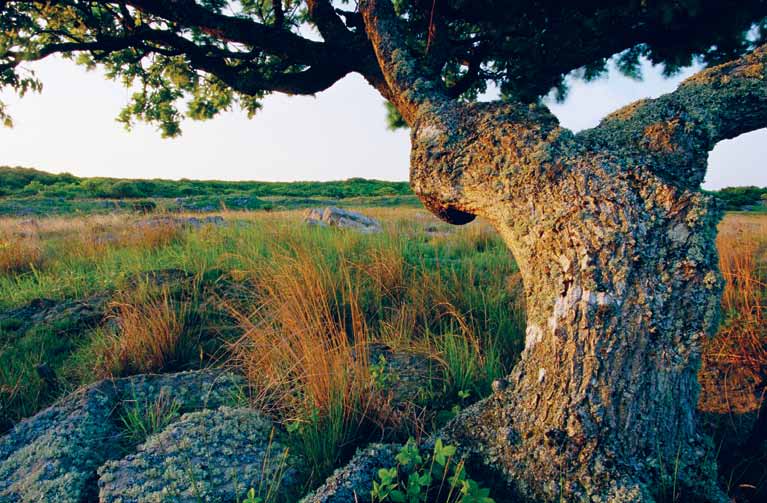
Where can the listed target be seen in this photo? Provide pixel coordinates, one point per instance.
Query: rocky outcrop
(70, 315)
(56, 455)
(212, 455)
(343, 219)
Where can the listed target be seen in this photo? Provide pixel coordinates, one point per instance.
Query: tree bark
(615, 243)
(621, 283)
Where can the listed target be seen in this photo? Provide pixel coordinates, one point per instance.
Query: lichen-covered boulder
(354, 481)
(402, 373)
(193, 390)
(54, 455)
(343, 219)
(213, 455)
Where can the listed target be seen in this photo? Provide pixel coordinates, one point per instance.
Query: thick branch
(331, 26)
(322, 64)
(236, 29)
(675, 132)
(274, 40)
(415, 93)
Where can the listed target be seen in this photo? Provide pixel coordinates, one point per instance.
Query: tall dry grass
(148, 333)
(733, 376)
(21, 241)
(305, 352)
(741, 343)
(319, 300)
(20, 249)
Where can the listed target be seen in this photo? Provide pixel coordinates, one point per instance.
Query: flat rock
(213, 455)
(70, 315)
(343, 219)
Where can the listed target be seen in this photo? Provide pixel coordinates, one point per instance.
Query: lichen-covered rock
(343, 219)
(213, 455)
(193, 390)
(354, 481)
(403, 373)
(65, 316)
(54, 456)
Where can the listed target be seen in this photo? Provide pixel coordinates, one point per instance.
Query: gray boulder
(213, 455)
(55, 455)
(343, 219)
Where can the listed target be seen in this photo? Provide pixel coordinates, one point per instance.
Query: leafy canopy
(196, 58)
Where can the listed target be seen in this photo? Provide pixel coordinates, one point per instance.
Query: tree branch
(414, 92)
(331, 26)
(314, 66)
(279, 13)
(188, 14)
(674, 133)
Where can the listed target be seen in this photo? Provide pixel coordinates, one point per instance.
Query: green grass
(411, 289)
(142, 418)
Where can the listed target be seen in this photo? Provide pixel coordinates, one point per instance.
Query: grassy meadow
(315, 318)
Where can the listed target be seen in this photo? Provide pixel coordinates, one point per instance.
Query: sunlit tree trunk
(621, 287)
(615, 243)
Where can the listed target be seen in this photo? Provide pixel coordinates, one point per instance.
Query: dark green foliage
(742, 198)
(433, 477)
(31, 182)
(13, 179)
(196, 59)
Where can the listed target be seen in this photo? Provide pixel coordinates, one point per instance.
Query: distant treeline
(26, 182)
(742, 198)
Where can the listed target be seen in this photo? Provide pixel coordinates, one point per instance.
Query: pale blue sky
(338, 134)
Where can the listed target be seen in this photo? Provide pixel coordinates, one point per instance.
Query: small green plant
(378, 373)
(252, 498)
(434, 478)
(143, 417)
(270, 488)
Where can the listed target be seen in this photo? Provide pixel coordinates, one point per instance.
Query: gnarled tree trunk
(619, 268)
(615, 243)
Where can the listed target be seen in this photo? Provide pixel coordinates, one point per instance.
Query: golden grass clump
(298, 335)
(305, 353)
(20, 253)
(742, 339)
(149, 335)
